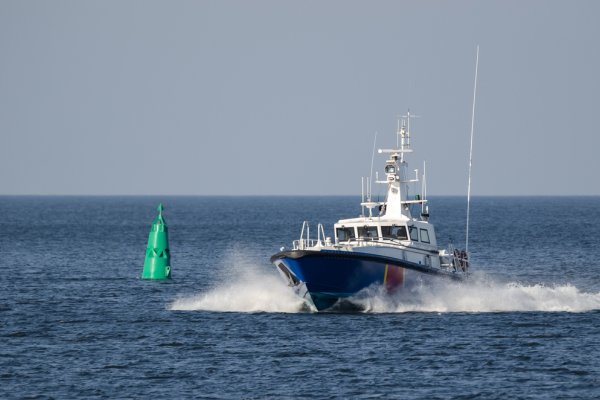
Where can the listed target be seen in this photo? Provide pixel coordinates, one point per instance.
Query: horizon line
(278, 195)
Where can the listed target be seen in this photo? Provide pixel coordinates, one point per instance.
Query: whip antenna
(372, 159)
(471, 152)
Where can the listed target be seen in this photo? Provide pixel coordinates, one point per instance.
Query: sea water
(76, 320)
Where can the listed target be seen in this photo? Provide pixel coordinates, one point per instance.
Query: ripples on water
(76, 320)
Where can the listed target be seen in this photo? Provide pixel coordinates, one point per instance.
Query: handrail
(304, 224)
(320, 231)
(301, 244)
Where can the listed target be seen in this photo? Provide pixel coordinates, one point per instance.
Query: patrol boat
(385, 246)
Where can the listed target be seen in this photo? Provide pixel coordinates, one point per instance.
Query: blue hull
(325, 277)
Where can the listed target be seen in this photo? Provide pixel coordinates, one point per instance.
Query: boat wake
(252, 287)
(480, 296)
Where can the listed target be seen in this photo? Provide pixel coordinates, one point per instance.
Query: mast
(471, 152)
(397, 202)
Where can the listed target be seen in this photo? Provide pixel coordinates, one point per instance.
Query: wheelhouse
(418, 233)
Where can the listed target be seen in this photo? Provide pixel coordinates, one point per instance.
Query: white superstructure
(388, 228)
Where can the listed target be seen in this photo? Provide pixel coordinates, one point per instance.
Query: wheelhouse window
(344, 234)
(414, 233)
(394, 232)
(424, 235)
(367, 232)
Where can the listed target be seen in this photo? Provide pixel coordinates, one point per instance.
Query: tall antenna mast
(471, 152)
(372, 159)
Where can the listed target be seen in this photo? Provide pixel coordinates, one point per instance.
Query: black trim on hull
(296, 254)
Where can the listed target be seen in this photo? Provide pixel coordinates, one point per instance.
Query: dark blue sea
(76, 320)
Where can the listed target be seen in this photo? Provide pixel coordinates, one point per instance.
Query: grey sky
(282, 97)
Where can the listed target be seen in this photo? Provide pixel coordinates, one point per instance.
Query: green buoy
(158, 257)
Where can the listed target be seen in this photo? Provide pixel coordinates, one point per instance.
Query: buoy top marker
(159, 219)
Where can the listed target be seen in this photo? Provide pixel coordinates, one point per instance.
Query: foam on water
(480, 296)
(250, 286)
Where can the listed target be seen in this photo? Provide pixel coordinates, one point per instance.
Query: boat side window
(424, 235)
(344, 234)
(414, 233)
(367, 232)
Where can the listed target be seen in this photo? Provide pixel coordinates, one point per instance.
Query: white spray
(247, 285)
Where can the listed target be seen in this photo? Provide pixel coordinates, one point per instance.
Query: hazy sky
(284, 97)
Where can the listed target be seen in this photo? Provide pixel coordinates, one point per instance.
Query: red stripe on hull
(394, 278)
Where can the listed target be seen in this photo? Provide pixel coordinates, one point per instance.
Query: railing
(460, 258)
(321, 239)
(305, 241)
(302, 244)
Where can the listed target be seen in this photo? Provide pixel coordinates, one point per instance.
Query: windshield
(367, 232)
(394, 232)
